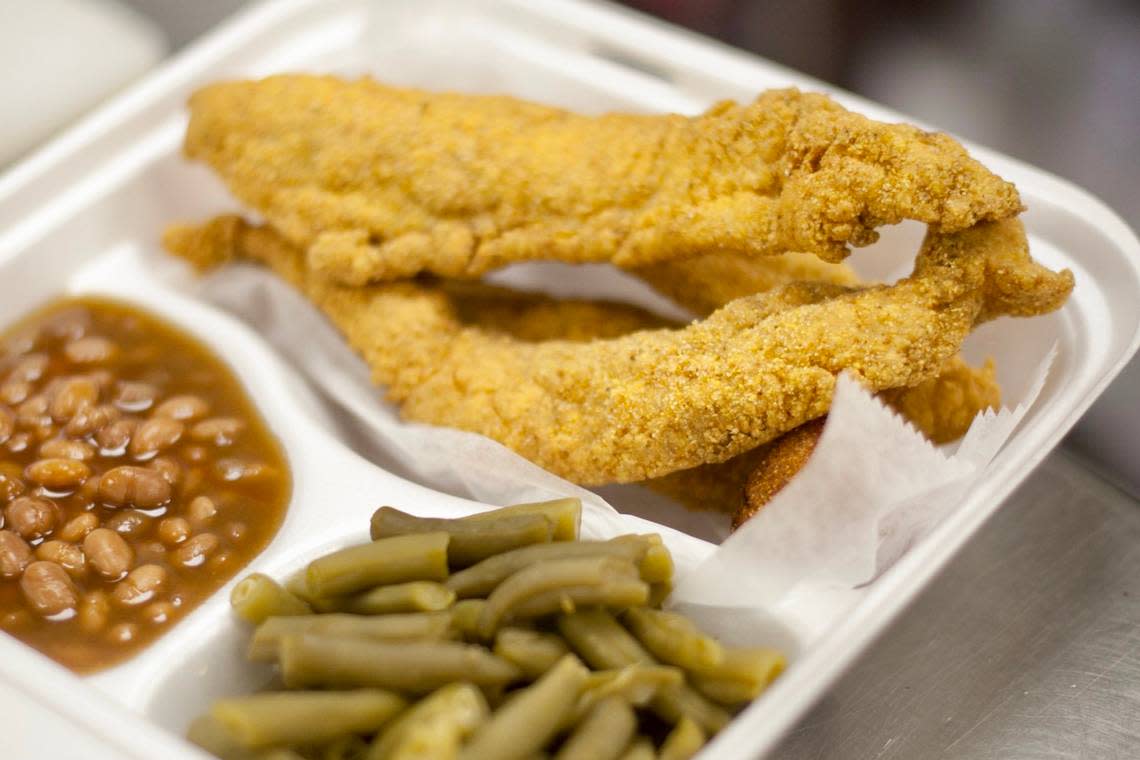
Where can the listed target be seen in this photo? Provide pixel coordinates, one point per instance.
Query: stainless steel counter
(1026, 646)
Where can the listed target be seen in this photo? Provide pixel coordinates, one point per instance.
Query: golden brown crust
(656, 401)
(533, 317)
(777, 463)
(705, 283)
(943, 407)
(376, 182)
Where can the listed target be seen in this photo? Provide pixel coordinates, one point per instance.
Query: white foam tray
(85, 214)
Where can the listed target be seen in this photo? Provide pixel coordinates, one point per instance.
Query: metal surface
(1027, 646)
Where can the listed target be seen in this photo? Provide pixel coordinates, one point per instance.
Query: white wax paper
(873, 487)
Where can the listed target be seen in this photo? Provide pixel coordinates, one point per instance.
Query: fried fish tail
(379, 183)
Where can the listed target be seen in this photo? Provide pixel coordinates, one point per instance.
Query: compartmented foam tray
(85, 215)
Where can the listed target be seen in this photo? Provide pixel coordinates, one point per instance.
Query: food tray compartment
(86, 213)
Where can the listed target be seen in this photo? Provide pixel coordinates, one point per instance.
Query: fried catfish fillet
(378, 183)
(942, 408)
(655, 401)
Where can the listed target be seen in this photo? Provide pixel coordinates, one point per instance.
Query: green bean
(684, 741)
(208, 733)
(297, 717)
(257, 597)
(659, 592)
(434, 727)
(418, 557)
(532, 652)
(618, 594)
(465, 618)
(639, 749)
(424, 626)
(413, 667)
(636, 684)
(603, 734)
(657, 565)
(741, 676)
(551, 575)
(481, 579)
(416, 596)
(566, 514)
(298, 585)
(684, 702)
(673, 638)
(603, 643)
(350, 747)
(529, 720)
(471, 541)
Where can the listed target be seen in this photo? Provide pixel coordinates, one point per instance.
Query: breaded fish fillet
(942, 407)
(380, 183)
(656, 401)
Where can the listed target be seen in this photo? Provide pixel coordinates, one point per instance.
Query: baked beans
(135, 478)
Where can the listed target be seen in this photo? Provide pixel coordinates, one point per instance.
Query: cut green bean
(471, 541)
(465, 618)
(551, 575)
(422, 626)
(257, 597)
(636, 684)
(657, 565)
(640, 749)
(741, 676)
(529, 719)
(207, 732)
(298, 585)
(673, 639)
(566, 514)
(351, 747)
(603, 643)
(284, 753)
(603, 734)
(297, 717)
(416, 596)
(658, 593)
(532, 652)
(481, 579)
(684, 741)
(410, 667)
(685, 702)
(418, 557)
(618, 594)
(434, 727)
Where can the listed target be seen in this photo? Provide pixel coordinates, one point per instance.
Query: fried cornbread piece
(777, 463)
(656, 401)
(379, 183)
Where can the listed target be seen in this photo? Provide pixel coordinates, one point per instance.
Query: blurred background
(1053, 82)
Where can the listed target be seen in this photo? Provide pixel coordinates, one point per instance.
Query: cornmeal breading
(656, 401)
(378, 183)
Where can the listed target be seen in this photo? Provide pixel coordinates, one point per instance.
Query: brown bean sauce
(114, 422)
